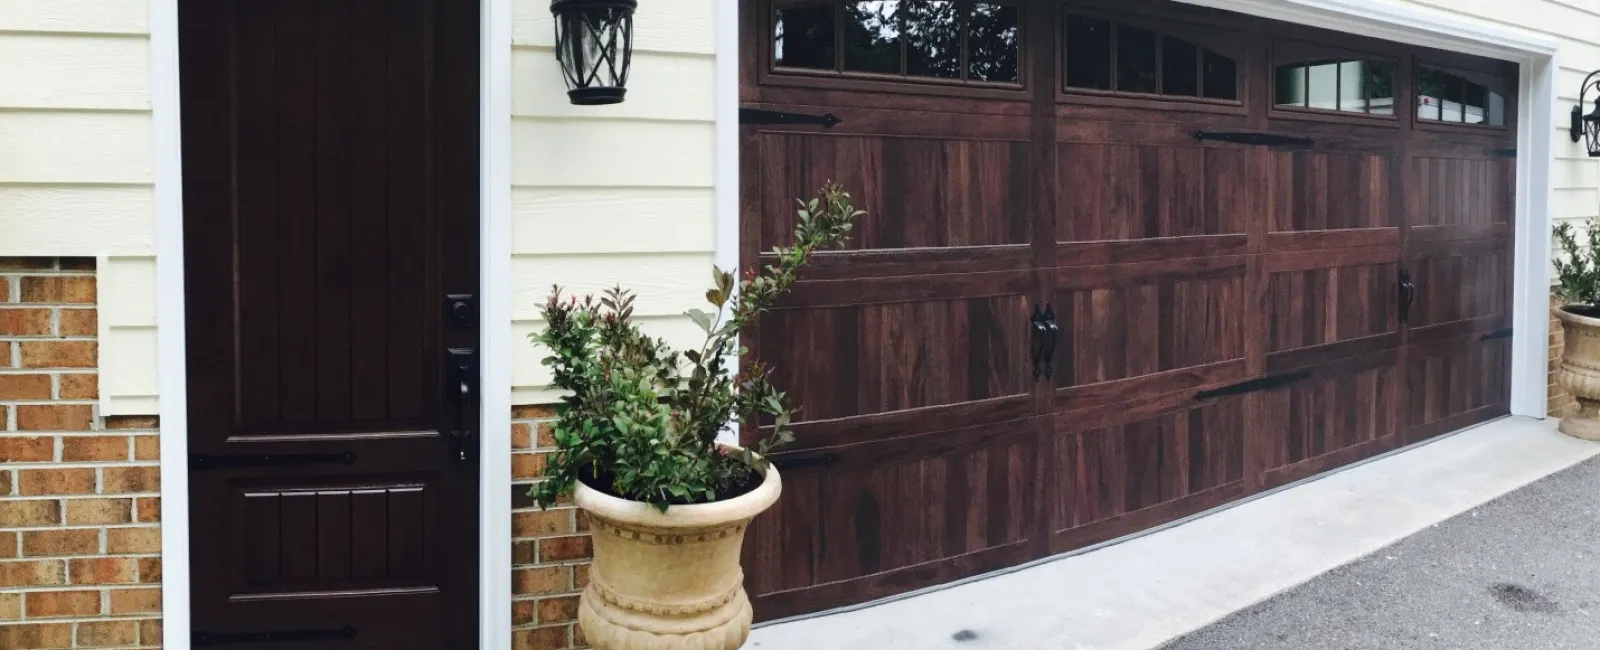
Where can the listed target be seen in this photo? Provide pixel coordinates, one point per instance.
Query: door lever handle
(464, 367)
(1408, 295)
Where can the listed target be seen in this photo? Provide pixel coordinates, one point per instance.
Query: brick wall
(1560, 403)
(80, 538)
(550, 549)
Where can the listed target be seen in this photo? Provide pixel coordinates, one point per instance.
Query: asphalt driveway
(1520, 572)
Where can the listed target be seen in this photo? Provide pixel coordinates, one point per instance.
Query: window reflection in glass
(1353, 86)
(1088, 53)
(803, 37)
(1430, 93)
(1453, 96)
(933, 39)
(1220, 76)
(1290, 86)
(1380, 88)
(872, 36)
(1497, 109)
(1475, 109)
(992, 42)
(1180, 67)
(1136, 60)
(1322, 86)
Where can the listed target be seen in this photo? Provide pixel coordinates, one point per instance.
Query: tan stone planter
(672, 580)
(1579, 373)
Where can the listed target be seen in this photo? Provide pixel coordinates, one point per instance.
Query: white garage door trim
(1387, 19)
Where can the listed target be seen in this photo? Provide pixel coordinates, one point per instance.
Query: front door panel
(330, 207)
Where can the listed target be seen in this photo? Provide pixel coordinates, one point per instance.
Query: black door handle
(1408, 295)
(1045, 331)
(462, 390)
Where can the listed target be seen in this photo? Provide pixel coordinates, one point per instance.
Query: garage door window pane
(803, 37)
(933, 39)
(1454, 97)
(1180, 67)
(1380, 88)
(1220, 77)
(1322, 86)
(872, 36)
(992, 43)
(1291, 86)
(1136, 60)
(1476, 107)
(1088, 53)
(1497, 109)
(1353, 87)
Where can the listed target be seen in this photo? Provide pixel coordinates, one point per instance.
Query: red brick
(77, 263)
(106, 634)
(526, 412)
(59, 354)
(580, 576)
(540, 523)
(103, 571)
(523, 612)
(539, 581)
(57, 604)
(150, 570)
(127, 541)
(27, 263)
(561, 609)
(30, 513)
(80, 386)
(33, 573)
(542, 638)
(135, 601)
(547, 435)
(11, 606)
(38, 482)
(147, 447)
(79, 322)
(94, 448)
(526, 466)
(24, 386)
(8, 544)
(557, 549)
(150, 632)
(56, 543)
(58, 289)
(5, 482)
(22, 321)
(521, 436)
(133, 422)
(148, 509)
(55, 417)
(17, 449)
(36, 636)
(525, 552)
(130, 480)
(90, 512)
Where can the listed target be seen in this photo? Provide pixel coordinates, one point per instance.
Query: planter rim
(1576, 319)
(698, 515)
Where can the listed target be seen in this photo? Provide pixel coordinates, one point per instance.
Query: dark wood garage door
(1124, 262)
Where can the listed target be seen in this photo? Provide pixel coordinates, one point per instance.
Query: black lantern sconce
(594, 43)
(1587, 127)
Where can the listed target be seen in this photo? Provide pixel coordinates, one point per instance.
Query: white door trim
(1538, 57)
(494, 517)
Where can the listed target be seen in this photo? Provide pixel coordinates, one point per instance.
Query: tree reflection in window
(1102, 54)
(1446, 97)
(1343, 85)
(937, 39)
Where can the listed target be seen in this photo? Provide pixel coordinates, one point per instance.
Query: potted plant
(1578, 272)
(639, 436)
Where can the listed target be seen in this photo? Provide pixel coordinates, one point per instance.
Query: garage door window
(1444, 96)
(926, 40)
(1347, 86)
(1106, 55)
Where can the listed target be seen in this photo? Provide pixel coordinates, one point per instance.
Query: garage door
(1123, 263)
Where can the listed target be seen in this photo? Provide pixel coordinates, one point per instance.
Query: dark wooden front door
(330, 206)
(1260, 256)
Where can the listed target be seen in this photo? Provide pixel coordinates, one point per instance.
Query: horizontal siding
(609, 195)
(76, 164)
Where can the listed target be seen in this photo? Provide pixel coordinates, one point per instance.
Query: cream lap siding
(606, 195)
(76, 159)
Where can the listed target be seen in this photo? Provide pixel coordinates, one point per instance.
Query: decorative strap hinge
(763, 116)
(1254, 385)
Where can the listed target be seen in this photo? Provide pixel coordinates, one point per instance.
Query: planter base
(1579, 373)
(609, 626)
(1584, 422)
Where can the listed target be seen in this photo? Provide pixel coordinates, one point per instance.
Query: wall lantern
(1587, 127)
(594, 43)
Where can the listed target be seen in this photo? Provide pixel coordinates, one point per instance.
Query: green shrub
(640, 420)
(1578, 265)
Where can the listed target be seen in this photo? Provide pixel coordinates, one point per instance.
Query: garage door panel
(1460, 281)
(863, 359)
(1462, 191)
(1147, 319)
(1339, 406)
(1452, 383)
(847, 521)
(1327, 240)
(1110, 192)
(1319, 190)
(848, 265)
(1107, 472)
(921, 192)
(1332, 304)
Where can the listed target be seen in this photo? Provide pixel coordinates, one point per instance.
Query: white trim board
(494, 304)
